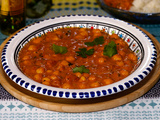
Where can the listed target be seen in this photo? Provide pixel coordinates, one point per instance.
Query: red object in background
(120, 4)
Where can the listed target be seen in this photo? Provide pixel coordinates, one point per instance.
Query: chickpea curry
(120, 4)
(77, 58)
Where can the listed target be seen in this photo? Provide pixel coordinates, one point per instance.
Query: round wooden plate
(82, 105)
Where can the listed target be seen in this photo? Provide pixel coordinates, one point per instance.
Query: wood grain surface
(82, 105)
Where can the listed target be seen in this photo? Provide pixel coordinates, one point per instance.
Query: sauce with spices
(77, 58)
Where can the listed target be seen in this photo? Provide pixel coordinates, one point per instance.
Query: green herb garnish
(110, 49)
(96, 41)
(84, 52)
(59, 49)
(81, 69)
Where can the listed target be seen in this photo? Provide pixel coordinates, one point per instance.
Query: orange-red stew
(120, 4)
(77, 58)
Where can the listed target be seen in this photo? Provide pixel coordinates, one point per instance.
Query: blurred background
(25, 12)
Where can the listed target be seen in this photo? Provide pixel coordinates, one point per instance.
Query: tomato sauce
(77, 58)
(120, 4)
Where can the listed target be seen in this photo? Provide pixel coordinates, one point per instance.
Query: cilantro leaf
(59, 49)
(89, 43)
(96, 41)
(99, 40)
(81, 69)
(84, 52)
(110, 49)
(90, 51)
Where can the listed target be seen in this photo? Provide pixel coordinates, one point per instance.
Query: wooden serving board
(82, 105)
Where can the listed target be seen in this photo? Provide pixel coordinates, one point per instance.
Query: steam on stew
(77, 58)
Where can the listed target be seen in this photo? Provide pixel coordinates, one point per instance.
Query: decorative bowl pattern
(145, 18)
(138, 41)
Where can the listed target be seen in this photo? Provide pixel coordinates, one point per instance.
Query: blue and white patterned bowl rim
(138, 41)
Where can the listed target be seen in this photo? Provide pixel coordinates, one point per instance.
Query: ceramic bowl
(138, 42)
(136, 17)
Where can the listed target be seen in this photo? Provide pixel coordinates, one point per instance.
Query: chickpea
(70, 59)
(83, 32)
(66, 86)
(27, 62)
(79, 37)
(82, 79)
(120, 42)
(32, 48)
(49, 63)
(107, 81)
(64, 63)
(46, 83)
(95, 84)
(132, 57)
(46, 79)
(81, 86)
(49, 71)
(128, 68)
(122, 53)
(55, 83)
(40, 70)
(54, 55)
(92, 78)
(96, 32)
(26, 57)
(59, 32)
(78, 74)
(53, 77)
(37, 40)
(120, 63)
(55, 38)
(124, 72)
(82, 29)
(46, 57)
(101, 60)
(94, 55)
(128, 62)
(115, 36)
(116, 57)
(56, 72)
(38, 77)
(86, 75)
(60, 68)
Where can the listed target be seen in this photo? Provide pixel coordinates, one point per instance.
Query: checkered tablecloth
(146, 107)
